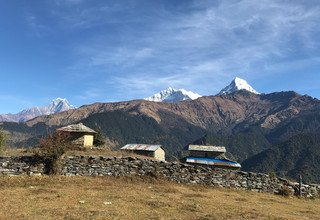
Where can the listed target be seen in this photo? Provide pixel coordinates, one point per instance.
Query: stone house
(210, 155)
(154, 151)
(205, 151)
(79, 134)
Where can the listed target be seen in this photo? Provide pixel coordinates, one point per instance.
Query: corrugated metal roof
(213, 162)
(146, 147)
(77, 128)
(207, 148)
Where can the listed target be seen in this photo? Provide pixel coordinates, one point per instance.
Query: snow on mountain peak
(173, 95)
(190, 94)
(236, 85)
(57, 100)
(57, 105)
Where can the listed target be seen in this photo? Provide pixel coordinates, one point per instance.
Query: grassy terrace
(59, 197)
(84, 152)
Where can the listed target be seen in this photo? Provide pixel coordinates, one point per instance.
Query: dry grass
(59, 197)
(104, 152)
(83, 152)
(17, 152)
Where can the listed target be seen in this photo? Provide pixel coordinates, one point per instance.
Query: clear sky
(103, 51)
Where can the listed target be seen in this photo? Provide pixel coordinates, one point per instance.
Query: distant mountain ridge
(171, 95)
(299, 155)
(56, 106)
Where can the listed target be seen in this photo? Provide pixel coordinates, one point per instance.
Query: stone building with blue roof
(210, 155)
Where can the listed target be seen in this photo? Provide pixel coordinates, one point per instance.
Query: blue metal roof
(212, 161)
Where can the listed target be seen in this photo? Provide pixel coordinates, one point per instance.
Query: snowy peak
(161, 96)
(236, 85)
(57, 105)
(173, 95)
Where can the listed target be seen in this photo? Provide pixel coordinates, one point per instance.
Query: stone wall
(183, 173)
(173, 171)
(15, 166)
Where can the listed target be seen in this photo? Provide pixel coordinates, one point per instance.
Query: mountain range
(276, 132)
(169, 95)
(57, 105)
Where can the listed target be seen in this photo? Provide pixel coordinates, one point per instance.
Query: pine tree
(99, 138)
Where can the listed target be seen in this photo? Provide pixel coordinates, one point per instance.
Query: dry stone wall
(173, 171)
(24, 165)
(183, 173)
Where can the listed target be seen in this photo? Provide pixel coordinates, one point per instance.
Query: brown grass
(85, 152)
(16, 152)
(104, 152)
(59, 197)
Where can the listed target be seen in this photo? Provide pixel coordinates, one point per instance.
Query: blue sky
(103, 51)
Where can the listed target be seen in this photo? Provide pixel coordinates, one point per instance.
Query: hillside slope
(297, 156)
(213, 113)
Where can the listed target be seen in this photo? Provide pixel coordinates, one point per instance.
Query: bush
(51, 150)
(3, 138)
(285, 191)
(272, 175)
(99, 138)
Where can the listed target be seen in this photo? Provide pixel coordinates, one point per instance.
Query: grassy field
(84, 152)
(59, 197)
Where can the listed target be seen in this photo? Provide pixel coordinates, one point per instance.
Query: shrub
(272, 175)
(99, 138)
(3, 138)
(285, 191)
(51, 150)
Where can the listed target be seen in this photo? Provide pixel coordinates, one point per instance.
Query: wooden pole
(300, 185)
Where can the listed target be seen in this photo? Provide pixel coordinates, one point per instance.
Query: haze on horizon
(92, 50)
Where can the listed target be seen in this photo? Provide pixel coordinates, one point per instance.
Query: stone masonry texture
(172, 171)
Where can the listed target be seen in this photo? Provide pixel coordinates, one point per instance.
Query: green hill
(298, 155)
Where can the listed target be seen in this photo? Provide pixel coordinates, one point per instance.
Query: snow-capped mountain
(236, 85)
(57, 105)
(173, 95)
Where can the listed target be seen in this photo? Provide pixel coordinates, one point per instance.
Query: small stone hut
(79, 134)
(205, 151)
(154, 151)
(210, 155)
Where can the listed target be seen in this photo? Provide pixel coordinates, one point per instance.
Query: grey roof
(80, 128)
(207, 148)
(146, 147)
